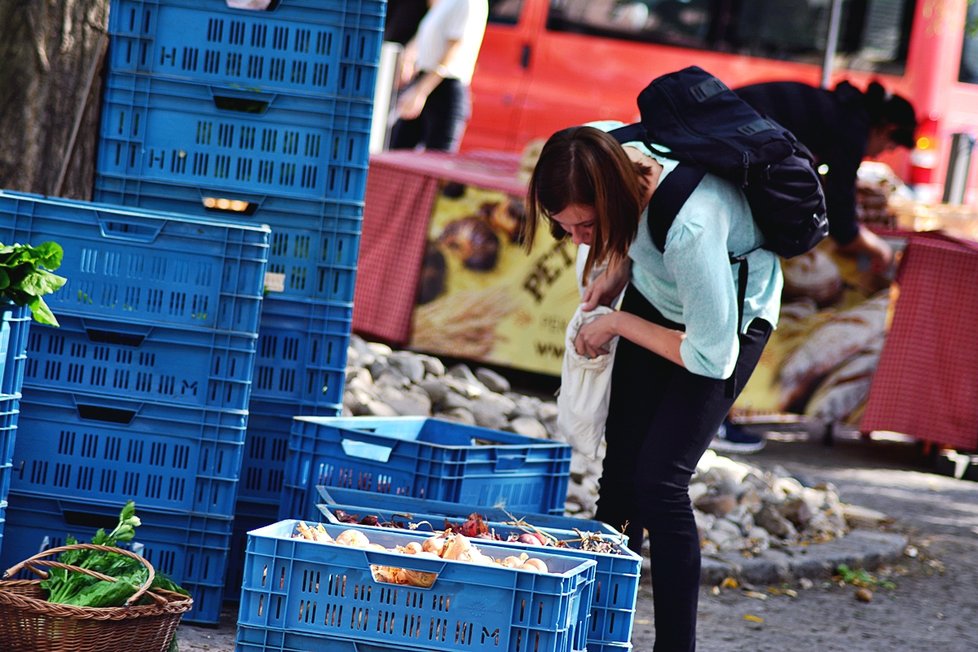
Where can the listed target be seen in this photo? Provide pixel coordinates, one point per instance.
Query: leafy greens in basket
(74, 588)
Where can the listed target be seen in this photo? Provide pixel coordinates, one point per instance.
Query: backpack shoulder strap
(636, 132)
(672, 192)
(630, 133)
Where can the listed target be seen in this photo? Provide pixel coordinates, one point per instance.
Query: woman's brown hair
(584, 165)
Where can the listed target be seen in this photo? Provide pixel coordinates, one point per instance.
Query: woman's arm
(592, 340)
(412, 100)
(868, 243)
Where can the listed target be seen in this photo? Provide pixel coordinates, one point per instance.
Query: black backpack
(709, 128)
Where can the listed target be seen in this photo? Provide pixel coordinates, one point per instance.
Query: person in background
(841, 127)
(434, 106)
(680, 337)
(402, 19)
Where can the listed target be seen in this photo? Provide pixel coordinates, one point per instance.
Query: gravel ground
(925, 602)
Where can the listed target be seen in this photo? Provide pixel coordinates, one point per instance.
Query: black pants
(441, 124)
(661, 418)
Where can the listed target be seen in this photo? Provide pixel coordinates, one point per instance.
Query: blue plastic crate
(248, 515)
(191, 549)
(267, 446)
(104, 448)
(302, 349)
(261, 639)
(9, 412)
(149, 267)
(617, 573)
(423, 458)
(315, 243)
(304, 587)
(206, 369)
(235, 140)
(263, 474)
(322, 47)
(344, 496)
(15, 322)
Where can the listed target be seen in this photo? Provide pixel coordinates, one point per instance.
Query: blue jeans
(442, 121)
(661, 418)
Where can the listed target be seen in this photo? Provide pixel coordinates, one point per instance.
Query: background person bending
(841, 127)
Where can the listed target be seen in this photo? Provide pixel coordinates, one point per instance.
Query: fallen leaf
(729, 583)
(752, 618)
(777, 590)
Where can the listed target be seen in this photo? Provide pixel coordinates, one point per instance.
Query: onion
(435, 544)
(458, 548)
(352, 538)
(534, 564)
(413, 548)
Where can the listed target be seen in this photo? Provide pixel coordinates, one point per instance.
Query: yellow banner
(481, 296)
(820, 360)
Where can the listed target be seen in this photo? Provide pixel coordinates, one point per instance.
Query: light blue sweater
(693, 282)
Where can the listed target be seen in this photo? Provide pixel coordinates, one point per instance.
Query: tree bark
(50, 89)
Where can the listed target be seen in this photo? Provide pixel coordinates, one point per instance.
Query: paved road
(932, 605)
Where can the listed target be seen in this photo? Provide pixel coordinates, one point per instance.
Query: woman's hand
(869, 244)
(411, 102)
(593, 337)
(604, 289)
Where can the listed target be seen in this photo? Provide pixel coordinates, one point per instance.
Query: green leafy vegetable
(26, 277)
(75, 588)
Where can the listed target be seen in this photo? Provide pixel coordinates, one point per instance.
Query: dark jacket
(834, 125)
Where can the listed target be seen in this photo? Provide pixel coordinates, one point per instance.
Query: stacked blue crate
(258, 116)
(143, 391)
(14, 328)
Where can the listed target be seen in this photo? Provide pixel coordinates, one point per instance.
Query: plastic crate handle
(241, 104)
(243, 5)
(91, 519)
(366, 451)
(104, 336)
(510, 461)
(103, 413)
(114, 228)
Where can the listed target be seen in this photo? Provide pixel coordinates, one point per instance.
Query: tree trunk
(50, 89)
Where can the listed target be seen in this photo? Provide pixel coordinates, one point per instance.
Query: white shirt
(450, 20)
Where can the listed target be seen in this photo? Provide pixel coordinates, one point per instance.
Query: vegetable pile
(475, 527)
(441, 545)
(25, 277)
(79, 589)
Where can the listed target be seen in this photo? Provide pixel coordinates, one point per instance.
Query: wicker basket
(29, 623)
